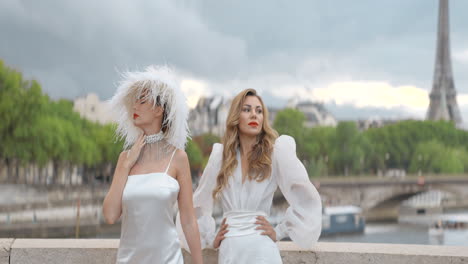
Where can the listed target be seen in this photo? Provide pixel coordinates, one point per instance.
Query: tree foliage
(36, 129)
(432, 147)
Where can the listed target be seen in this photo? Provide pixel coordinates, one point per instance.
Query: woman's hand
(266, 227)
(220, 236)
(134, 152)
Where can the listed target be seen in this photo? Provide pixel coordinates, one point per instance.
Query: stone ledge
(384, 253)
(89, 251)
(63, 251)
(5, 248)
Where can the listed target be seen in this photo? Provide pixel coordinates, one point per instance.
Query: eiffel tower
(443, 98)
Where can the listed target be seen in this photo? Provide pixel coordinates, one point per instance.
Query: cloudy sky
(361, 58)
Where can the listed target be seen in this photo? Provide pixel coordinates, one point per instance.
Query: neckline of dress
(240, 168)
(164, 173)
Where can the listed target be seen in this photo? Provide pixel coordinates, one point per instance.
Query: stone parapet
(87, 251)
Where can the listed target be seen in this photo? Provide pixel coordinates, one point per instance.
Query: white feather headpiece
(158, 84)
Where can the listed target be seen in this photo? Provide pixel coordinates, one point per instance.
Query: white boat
(449, 229)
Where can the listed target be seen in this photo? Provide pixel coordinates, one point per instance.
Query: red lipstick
(135, 116)
(254, 124)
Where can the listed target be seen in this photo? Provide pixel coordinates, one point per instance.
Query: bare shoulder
(180, 155)
(180, 159)
(181, 165)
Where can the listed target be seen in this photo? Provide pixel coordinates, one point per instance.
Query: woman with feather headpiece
(153, 172)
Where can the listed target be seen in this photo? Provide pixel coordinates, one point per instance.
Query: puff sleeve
(303, 219)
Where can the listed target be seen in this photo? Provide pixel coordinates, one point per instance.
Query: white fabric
(148, 232)
(249, 249)
(242, 201)
(164, 84)
(242, 223)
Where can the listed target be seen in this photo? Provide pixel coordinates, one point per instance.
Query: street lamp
(419, 163)
(387, 157)
(326, 165)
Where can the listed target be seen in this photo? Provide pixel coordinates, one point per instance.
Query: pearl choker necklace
(155, 137)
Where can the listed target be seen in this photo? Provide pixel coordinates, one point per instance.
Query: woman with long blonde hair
(242, 174)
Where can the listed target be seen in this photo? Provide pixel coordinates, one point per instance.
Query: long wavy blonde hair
(259, 158)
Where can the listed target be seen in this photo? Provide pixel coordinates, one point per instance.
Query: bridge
(380, 198)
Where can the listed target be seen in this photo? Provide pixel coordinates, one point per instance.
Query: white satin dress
(148, 233)
(243, 202)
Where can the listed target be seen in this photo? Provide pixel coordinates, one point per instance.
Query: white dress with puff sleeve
(243, 202)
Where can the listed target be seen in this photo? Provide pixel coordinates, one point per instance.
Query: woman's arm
(112, 206)
(203, 201)
(303, 219)
(188, 219)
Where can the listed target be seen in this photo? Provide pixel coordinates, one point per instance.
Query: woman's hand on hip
(264, 225)
(220, 236)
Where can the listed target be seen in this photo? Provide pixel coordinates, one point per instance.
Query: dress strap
(169, 165)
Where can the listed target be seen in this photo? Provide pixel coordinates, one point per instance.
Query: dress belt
(242, 223)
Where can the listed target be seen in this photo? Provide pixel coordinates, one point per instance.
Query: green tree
(205, 143)
(195, 156)
(290, 122)
(36, 130)
(348, 150)
(318, 149)
(434, 157)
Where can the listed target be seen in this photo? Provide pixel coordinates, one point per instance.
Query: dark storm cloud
(76, 47)
(390, 40)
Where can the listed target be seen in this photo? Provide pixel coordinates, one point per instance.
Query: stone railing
(88, 251)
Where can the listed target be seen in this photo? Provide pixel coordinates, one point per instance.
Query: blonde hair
(259, 158)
